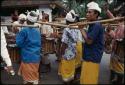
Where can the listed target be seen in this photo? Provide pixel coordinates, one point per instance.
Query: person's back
(30, 44)
(29, 40)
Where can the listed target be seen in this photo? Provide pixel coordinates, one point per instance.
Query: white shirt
(17, 23)
(47, 29)
(5, 29)
(4, 51)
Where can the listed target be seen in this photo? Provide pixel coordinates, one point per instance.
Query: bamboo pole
(47, 23)
(56, 24)
(58, 19)
(19, 25)
(74, 26)
(81, 23)
(100, 21)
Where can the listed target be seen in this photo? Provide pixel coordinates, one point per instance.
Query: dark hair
(42, 11)
(97, 12)
(29, 22)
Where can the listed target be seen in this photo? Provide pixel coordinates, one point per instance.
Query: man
(4, 52)
(29, 41)
(21, 20)
(93, 46)
(69, 50)
(117, 54)
(14, 16)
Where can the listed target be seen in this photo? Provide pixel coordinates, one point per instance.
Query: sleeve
(20, 38)
(94, 32)
(4, 51)
(64, 36)
(5, 29)
(80, 38)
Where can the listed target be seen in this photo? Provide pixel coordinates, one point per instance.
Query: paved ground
(52, 77)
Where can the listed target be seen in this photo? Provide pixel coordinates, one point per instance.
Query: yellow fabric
(117, 66)
(89, 73)
(78, 54)
(67, 68)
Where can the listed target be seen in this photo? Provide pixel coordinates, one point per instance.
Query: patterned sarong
(29, 71)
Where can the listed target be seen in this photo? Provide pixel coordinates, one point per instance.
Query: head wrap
(32, 16)
(22, 16)
(94, 6)
(71, 16)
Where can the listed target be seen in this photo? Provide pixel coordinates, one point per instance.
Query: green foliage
(80, 6)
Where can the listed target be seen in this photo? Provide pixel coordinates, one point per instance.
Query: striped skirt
(29, 71)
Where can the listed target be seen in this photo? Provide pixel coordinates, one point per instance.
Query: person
(21, 20)
(14, 16)
(47, 30)
(43, 16)
(29, 42)
(68, 49)
(4, 52)
(93, 46)
(117, 53)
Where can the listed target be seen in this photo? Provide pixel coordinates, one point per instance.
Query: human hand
(80, 26)
(105, 6)
(10, 69)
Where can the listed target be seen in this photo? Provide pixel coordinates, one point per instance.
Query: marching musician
(68, 49)
(21, 21)
(93, 46)
(29, 41)
(117, 54)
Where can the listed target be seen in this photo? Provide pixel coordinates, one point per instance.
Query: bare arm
(87, 40)
(109, 14)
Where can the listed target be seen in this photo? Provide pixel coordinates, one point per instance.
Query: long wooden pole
(19, 25)
(75, 26)
(100, 21)
(56, 24)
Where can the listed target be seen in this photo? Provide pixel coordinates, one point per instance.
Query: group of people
(79, 47)
(91, 49)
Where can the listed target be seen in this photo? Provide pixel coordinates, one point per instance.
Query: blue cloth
(29, 40)
(93, 52)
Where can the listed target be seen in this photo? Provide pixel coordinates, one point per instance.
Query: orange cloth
(29, 71)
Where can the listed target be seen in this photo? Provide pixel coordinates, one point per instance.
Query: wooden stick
(19, 25)
(56, 24)
(100, 21)
(47, 23)
(64, 19)
(82, 23)
(74, 26)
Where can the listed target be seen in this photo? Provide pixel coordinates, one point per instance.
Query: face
(22, 21)
(91, 15)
